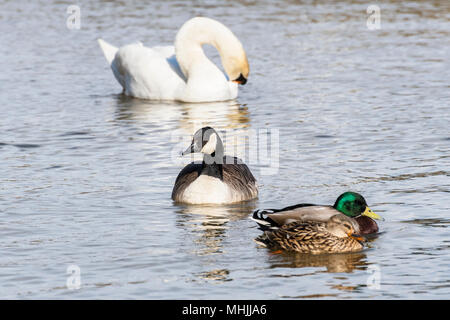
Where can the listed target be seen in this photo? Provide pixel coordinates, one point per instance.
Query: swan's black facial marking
(241, 79)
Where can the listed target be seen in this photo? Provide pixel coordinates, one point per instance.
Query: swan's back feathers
(149, 73)
(109, 50)
(152, 73)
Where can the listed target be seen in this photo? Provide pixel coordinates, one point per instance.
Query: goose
(351, 204)
(182, 72)
(218, 179)
(336, 235)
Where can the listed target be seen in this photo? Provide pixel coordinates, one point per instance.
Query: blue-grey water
(86, 174)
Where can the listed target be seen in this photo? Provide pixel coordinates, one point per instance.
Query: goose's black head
(205, 140)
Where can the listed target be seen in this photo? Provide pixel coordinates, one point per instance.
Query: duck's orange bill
(356, 237)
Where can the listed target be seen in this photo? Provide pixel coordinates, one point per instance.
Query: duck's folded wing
(273, 218)
(296, 236)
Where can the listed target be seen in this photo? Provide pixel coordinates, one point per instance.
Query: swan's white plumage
(149, 73)
(182, 72)
(108, 50)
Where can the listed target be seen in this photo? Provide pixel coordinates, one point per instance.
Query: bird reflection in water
(216, 275)
(207, 225)
(187, 117)
(176, 122)
(335, 263)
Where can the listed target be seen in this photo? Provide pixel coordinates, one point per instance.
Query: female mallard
(218, 179)
(351, 204)
(334, 236)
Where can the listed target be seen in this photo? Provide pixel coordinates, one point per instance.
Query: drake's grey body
(217, 179)
(275, 218)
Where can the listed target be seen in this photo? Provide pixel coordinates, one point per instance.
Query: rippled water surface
(86, 173)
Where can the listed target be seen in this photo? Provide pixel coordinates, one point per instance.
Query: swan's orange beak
(241, 80)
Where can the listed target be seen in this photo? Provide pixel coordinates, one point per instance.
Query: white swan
(183, 72)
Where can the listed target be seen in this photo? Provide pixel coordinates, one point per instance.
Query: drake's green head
(353, 204)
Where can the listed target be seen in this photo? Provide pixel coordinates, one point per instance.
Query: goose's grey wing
(238, 176)
(185, 178)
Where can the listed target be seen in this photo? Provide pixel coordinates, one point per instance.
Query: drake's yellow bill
(369, 213)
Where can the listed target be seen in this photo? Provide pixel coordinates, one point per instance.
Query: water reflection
(225, 115)
(187, 117)
(339, 262)
(128, 108)
(207, 224)
(216, 275)
(436, 222)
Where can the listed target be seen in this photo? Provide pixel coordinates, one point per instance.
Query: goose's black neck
(213, 170)
(212, 164)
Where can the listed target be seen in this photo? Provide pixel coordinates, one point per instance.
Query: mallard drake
(218, 178)
(351, 204)
(334, 236)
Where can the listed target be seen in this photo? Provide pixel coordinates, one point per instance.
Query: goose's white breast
(207, 189)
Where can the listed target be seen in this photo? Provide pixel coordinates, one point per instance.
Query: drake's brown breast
(366, 225)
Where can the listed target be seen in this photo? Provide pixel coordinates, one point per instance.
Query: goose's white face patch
(210, 147)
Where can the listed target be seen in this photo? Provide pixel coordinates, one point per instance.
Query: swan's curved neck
(197, 32)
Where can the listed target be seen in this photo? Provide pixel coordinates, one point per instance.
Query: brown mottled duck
(333, 236)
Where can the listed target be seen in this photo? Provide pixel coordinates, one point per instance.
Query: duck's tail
(262, 240)
(263, 221)
(108, 50)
